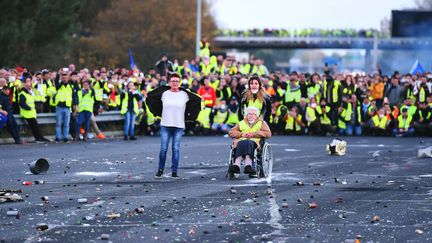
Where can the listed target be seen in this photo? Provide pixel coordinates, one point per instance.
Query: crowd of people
(325, 103)
(307, 32)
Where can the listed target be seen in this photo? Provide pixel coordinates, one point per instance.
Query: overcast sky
(292, 14)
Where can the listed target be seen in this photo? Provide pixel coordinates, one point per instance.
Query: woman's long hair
(261, 95)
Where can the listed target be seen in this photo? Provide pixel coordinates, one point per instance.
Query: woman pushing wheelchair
(249, 135)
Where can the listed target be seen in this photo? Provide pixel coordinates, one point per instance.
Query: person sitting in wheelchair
(247, 135)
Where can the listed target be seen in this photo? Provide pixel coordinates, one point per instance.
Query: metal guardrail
(50, 118)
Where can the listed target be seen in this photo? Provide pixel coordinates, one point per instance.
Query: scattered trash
(376, 154)
(425, 153)
(339, 200)
(299, 183)
(14, 213)
(82, 200)
(139, 210)
(105, 237)
(375, 219)
(39, 166)
(419, 231)
(312, 205)
(336, 147)
(113, 215)
(41, 227)
(8, 197)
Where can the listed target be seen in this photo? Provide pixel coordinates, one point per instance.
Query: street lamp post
(198, 28)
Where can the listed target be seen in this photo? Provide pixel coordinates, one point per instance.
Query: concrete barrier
(109, 122)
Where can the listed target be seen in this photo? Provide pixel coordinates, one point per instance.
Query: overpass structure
(370, 45)
(273, 42)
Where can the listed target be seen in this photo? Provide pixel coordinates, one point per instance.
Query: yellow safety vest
(125, 103)
(314, 91)
(220, 117)
(245, 68)
(40, 96)
(245, 128)
(150, 117)
(334, 91)
(346, 116)
(206, 69)
(290, 123)
(86, 102)
(324, 119)
(380, 123)
(232, 118)
(214, 84)
(98, 90)
(278, 113)
(204, 117)
(64, 94)
(412, 109)
(427, 116)
(204, 49)
(422, 95)
(294, 96)
(311, 113)
(27, 114)
(256, 103)
(51, 92)
(404, 123)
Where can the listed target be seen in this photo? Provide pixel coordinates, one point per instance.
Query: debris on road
(139, 210)
(312, 205)
(425, 153)
(14, 213)
(299, 183)
(82, 200)
(39, 166)
(105, 237)
(336, 147)
(375, 219)
(113, 215)
(8, 197)
(42, 227)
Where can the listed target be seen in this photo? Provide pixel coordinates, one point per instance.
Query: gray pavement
(116, 177)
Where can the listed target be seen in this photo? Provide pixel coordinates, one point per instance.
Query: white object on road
(425, 153)
(337, 147)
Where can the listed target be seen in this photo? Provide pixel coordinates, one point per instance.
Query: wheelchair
(262, 161)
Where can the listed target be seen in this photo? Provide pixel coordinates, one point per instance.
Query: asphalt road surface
(116, 177)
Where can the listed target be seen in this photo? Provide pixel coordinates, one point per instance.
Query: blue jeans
(408, 133)
(129, 124)
(63, 118)
(350, 129)
(166, 134)
(84, 117)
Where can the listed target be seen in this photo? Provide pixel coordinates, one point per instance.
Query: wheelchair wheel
(230, 175)
(266, 161)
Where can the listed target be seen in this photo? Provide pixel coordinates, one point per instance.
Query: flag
(417, 68)
(131, 61)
